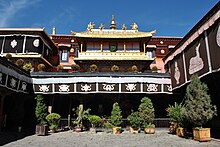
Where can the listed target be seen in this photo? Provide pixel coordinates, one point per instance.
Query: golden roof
(112, 33)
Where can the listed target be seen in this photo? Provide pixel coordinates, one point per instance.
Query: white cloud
(8, 9)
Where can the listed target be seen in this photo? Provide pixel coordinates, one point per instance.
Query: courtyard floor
(85, 139)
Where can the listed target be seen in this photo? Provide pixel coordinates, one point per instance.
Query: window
(64, 55)
(113, 47)
(149, 54)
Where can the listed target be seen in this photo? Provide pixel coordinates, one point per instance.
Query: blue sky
(168, 17)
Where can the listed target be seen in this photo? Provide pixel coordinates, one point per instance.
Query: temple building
(115, 64)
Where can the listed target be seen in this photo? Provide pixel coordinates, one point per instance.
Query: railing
(12, 66)
(159, 122)
(114, 55)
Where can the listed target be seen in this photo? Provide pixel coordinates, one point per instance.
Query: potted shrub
(75, 67)
(147, 115)
(81, 116)
(20, 62)
(95, 121)
(108, 126)
(149, 128)
(175, 112)
(198, 108)
(27, 67)
(53, 119)
(93, 68)
(115, 68)
(134, 68)
(60, 68)
(41, 67)
(8, 56)
(116, 118)
(135, 122)
(154, 69)
(41, 113)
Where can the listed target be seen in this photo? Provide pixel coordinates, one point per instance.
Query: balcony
(115, 56)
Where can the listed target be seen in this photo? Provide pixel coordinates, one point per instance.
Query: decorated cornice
(112, 33)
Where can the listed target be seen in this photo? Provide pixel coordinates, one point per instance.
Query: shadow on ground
(10, 136)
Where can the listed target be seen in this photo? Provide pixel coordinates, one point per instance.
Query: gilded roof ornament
(134, 26)
(91, 26)
(101, 26)
(113, 25)
(54, 31)
(123, 27)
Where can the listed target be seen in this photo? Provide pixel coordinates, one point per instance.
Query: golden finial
(54, 31)
(113, 25)
(134, 26)
(123, 27)
(101, 26)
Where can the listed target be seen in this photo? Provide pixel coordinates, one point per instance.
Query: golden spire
(113, 25)
(54, 31)
(101, 26)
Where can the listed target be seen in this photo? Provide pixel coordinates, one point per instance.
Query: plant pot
(78, 130)
(149, 130)
(202, 134)
(92, 130)
(180, 132)
(173, 126)
(41, 130)
(53, 130)
(134, 130)
(116, 130)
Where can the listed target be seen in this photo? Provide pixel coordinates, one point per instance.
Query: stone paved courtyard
(85, 139)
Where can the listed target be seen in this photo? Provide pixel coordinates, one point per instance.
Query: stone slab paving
(102, 139)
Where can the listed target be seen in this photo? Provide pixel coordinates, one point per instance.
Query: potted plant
(154, 69)
(41, 113)
(147, 115)
(27, 67)
(108, 126)
(175, 112)
(115, 68)
(41, 67)
(53, 119)
(116, 118)
(93, 68)
(198, 108)
(81, 115)
(60, 68)
(134, 68)
(20, 62)
(8, 56)
(135, 122)
(149, 128)
(75, 67)
(95, 121)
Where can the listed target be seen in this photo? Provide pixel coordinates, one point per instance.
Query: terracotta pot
(149, 130)
(180, 132)
(53, 130)
(173, 126)
(134, 130)
(116, 130)
(78, 130)
(202, 134)
(92, 130)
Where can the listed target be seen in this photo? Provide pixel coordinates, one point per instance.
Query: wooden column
(124, 47)
(81, 48)
(144, 47)
(101, 47)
